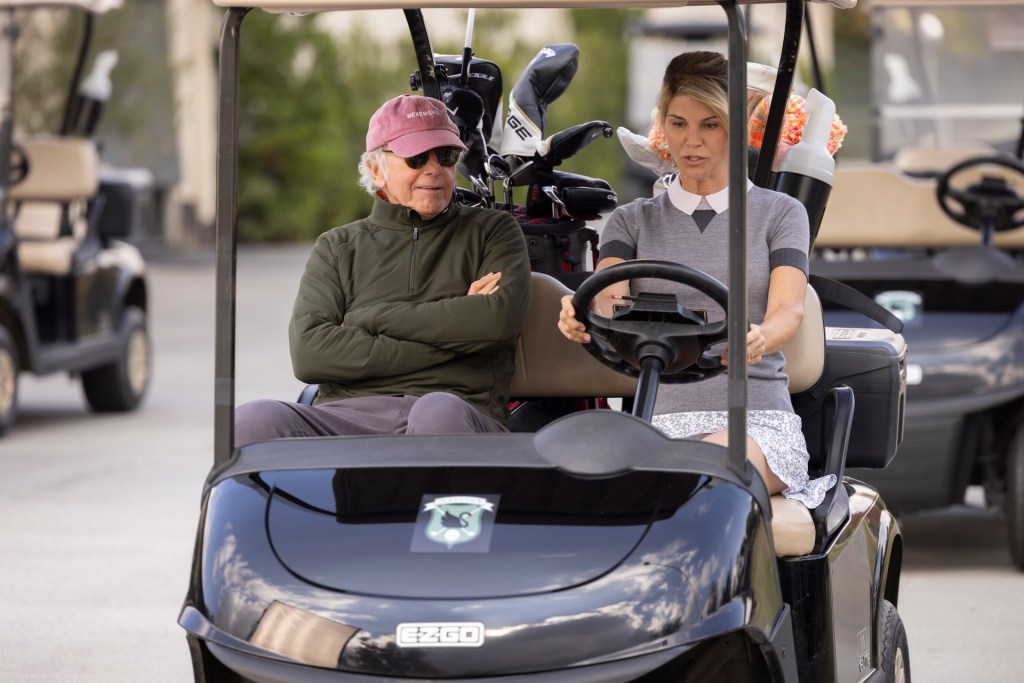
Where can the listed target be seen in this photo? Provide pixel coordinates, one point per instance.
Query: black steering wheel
(989, 205)
(18, 168)
(654, 325)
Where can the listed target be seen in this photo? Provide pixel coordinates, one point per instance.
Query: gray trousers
(434, 413)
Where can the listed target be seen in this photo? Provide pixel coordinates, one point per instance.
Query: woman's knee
(756, 457)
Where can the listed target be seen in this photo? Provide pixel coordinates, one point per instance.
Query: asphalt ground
(98, 513)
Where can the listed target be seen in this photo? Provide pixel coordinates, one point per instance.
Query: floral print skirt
(777, 432)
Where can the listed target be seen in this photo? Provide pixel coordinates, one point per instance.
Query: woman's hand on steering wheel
(755, 346)
(568, 325)
(572, 328)
(653, 329)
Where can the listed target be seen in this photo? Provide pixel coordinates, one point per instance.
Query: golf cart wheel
(893, 649)
(120, 386)
(8, 380)
(1015, 498)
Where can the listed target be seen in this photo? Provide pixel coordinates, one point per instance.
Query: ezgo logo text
(440, 635)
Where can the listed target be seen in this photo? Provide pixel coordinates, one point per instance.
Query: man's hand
(488, 284)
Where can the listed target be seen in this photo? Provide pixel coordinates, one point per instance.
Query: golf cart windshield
(946, 74)
(227, 171)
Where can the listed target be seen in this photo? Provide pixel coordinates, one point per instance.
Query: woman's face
(699, 142)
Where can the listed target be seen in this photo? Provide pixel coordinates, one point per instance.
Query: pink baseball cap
(411, 124)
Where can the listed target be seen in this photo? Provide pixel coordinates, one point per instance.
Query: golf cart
(939, 244)
(592, 549)
(72, 293)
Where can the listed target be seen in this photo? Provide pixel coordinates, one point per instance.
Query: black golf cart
(72, 292)
(592, 549)
(940, 244)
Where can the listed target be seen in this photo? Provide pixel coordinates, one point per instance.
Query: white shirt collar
(687, 201)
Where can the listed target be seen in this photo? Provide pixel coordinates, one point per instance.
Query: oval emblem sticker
(457, 634)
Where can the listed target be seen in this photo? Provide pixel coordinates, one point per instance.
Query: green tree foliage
(136, 127)
(598, 91)
(43, 74)
(306, 98)
(851, 88)
(304, 105)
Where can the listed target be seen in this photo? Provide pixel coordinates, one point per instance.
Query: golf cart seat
(922, 161)
(50, 203)
(903, 212)
(550, 366)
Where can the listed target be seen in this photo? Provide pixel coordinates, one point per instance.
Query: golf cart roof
(330, 5)
(97, 6)
(944, 4)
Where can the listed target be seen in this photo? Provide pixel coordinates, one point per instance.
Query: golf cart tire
(1015, 498)
(119, 386)
(8, 381)
(894, 653)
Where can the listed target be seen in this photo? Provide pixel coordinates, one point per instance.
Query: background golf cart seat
(925, 161)
(549, 365)
(877, 205)
(63, 174)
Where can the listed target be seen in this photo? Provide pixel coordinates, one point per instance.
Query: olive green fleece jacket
(383, 310)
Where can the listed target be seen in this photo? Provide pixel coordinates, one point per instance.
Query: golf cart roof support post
(424, 53)
(8, 38)
(812, 44)
(1020, 141)
(76, 76)
(780, 95)
(226, 230)
(737, 377)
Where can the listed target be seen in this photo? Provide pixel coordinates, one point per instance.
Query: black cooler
(873, 363)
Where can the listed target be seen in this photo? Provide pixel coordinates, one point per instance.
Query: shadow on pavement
(961, 537)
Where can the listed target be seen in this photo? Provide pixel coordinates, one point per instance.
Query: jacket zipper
(412, 258)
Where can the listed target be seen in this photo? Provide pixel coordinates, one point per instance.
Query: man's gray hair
(376, 158)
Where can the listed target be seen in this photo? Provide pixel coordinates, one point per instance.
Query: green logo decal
(452, 521)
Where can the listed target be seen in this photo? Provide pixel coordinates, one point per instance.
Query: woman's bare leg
(756, 457)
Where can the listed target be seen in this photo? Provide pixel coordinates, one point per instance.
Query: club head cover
(542, 82)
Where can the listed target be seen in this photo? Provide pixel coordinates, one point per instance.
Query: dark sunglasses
(446, 156)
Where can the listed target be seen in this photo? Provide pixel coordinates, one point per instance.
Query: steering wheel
(654, 326)
(988, 205)
(19, 166)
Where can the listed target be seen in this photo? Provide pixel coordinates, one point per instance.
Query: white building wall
(193, 27)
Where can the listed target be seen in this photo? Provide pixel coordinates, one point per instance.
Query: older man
(407, 319)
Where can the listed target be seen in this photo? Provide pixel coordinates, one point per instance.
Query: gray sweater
(777, 235)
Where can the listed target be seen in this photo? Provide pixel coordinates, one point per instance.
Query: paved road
(98, 513)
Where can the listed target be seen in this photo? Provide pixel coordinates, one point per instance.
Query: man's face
(427, 190)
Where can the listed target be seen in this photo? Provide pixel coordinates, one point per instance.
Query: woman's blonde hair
(700, 75)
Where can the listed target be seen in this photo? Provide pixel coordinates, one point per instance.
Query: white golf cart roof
(302, 6)
(98, 6)
(944, 4)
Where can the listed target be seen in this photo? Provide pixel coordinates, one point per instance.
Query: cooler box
(873, 363)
